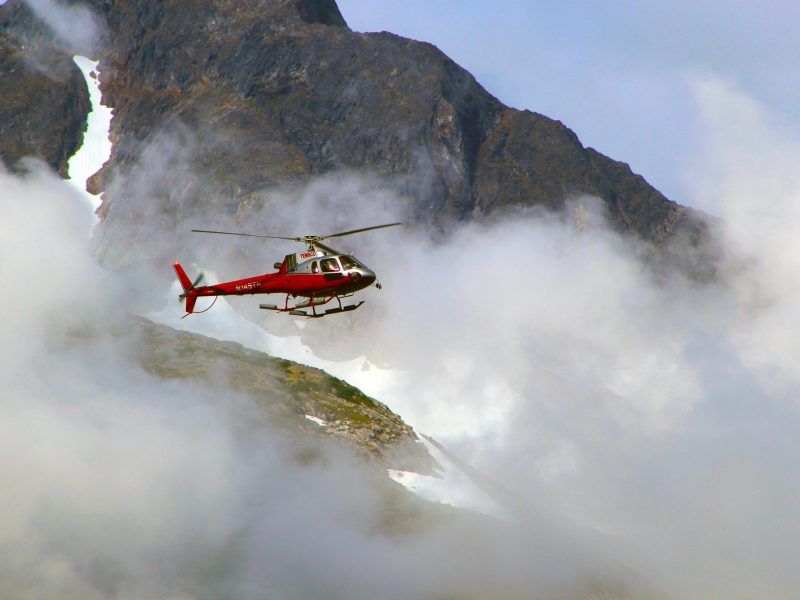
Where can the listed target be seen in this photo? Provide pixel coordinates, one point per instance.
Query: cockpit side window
(329, 265)
(315, 267)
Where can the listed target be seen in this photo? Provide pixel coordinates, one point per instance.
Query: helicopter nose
(368, 278)
(361, 278)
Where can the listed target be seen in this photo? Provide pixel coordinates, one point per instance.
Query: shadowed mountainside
(43, 96)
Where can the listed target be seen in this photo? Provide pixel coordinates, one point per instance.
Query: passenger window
(329, 265)
(315, 267)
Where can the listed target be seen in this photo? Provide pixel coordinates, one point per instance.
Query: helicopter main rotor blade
(274, 237)
(327, 249)
(343, 233)
(308, 239)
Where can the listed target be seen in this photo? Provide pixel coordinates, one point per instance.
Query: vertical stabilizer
(189, 292)
(186, 283)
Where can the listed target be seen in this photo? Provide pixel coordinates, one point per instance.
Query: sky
(623, 75)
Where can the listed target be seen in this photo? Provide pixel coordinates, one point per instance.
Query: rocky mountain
(43, 95)
(259, 94)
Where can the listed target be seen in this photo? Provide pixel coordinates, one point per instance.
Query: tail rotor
(189, 287)
(193, 285)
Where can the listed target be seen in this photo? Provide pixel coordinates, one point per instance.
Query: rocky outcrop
(283, 393)
(43, 96)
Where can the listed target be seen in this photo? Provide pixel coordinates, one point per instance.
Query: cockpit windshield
(348, 262)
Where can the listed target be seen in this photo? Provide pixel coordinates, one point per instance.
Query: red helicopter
(319, 275)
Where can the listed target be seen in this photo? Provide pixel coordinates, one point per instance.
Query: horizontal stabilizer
(190, 301)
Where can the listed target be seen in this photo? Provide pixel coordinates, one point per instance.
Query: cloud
(120, 484)
(100, 462)
(655, 414)
(75, 25)
(661, 412)
(749, 177)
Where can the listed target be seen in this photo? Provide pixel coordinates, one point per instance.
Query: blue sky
(623, 74)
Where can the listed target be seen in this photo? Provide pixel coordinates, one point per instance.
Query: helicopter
(320, 276)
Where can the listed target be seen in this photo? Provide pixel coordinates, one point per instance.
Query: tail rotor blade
(195, 283)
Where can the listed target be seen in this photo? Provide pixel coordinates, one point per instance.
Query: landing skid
(300, 308)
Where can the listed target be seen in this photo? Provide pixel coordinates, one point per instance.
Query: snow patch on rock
(317, 420)
(96, 147)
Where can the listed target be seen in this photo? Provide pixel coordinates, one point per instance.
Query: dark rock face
(260, 93)
(43, 96)
(530, 159)
(320, 11)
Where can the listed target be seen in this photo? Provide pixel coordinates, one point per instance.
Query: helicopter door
(331, 269)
